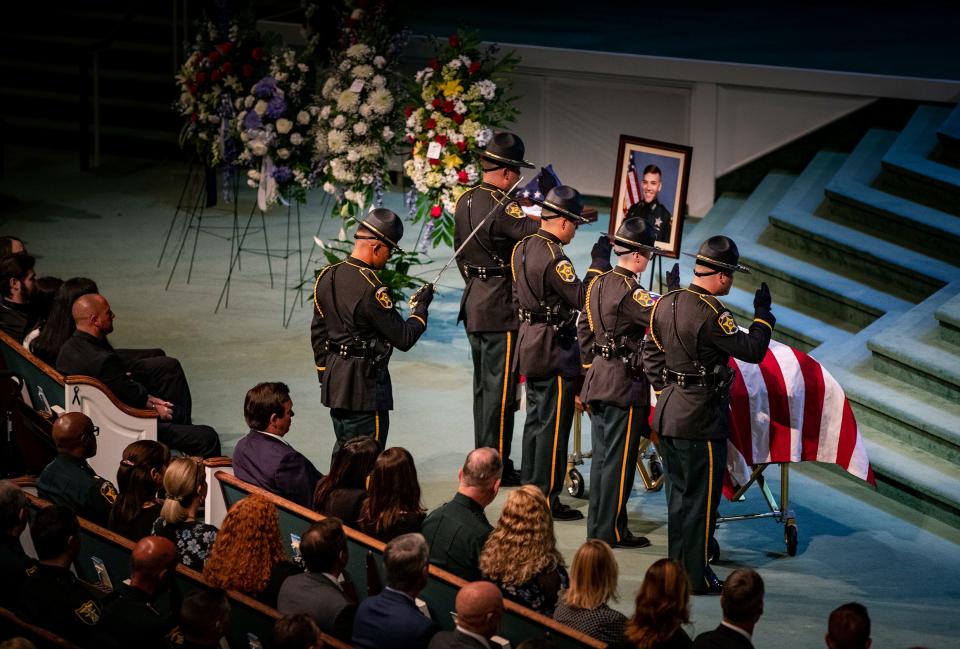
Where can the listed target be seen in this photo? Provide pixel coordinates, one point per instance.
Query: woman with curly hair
(393, 503)
(186, 485)
(663, 605)
(342, 491)
(248, 554)
(521, 555)
(139, 478)
(593, 582)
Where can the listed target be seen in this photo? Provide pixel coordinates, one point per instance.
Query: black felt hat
(562, 201)
(506, 150)
(636, 235)
(719, 253)
(385, 226)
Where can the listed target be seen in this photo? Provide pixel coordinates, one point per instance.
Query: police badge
(565, 270)
(727, 323)
(383, 297)
(642, 298)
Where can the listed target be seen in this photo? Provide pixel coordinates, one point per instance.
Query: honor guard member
(355, 328)
(487, 309)
(615, 317)
(550, 296)
(692, 337)
(650, 208)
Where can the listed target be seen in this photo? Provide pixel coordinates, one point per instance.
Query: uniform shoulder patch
(108, 491)
(383, 297)
(88, 613)
(514, 210)
(642, 298)
(565, 270)
(727, 323)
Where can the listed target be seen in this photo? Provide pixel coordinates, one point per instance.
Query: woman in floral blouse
(186, 485)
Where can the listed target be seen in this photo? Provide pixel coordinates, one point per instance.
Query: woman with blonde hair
(186, 485)
(521, 556)
(248, 555)
(663, 605)
(593, 582)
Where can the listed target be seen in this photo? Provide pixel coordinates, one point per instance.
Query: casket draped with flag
(788, 408)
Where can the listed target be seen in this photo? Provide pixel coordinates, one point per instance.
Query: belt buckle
(482, 272)
(681, 379)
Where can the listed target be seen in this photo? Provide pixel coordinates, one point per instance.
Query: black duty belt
(539, 317)
(483, 272)
(610, 352)
(702, 380)
(361, 349)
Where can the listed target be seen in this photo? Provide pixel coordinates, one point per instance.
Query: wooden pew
(248, 617)
(519, 623)
(12, 626)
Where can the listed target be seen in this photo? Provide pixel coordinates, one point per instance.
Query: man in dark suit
(17, 286)
(457, 530)
(162, 388)
(849, 627)
(393, 619)
(742, 605)
(479, 609)
(325, 592)
(264, 457)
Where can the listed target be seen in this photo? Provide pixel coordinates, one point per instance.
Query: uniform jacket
(53, 597)
(703, 333)
(71, 482)
(616, 312)
(456, 532)
(391, 620)
(487, 304)
(90, 356)
(317, 596)
(351, 305)
(656, 215)
(269, 462)
(133, 619)
(14, 564)
(544, 280)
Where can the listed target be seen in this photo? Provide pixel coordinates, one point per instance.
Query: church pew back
(12, 626)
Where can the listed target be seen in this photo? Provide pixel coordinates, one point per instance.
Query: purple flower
(282, 174)
(265, 88)
(276, 107)
(252, 120)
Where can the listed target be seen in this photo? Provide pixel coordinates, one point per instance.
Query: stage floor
(854, 544)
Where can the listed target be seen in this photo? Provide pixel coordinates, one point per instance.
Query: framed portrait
(651, 182)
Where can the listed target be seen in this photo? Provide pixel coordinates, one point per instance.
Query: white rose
(325, 112)
(296, 139)
(283, 154)
(260, 108)
(258, 148)
(353, 155)
(284, 125)
(303, 117)
(339, 121)
(378, 81)
(379, 61)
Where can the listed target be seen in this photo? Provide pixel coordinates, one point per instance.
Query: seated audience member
(156, 382)
(248, 553)
(341, 492)
(593, 582)
(392, 506)
(42, 302)
(321, 592)
(296, 632)
(17, 286)
(52, 596)
(457, 530)
(139, 479)
(204, 619)
(60, 325)
(391, 620)
(479, 610)
(132, 618)
(14, 562)
(521, 555)
(69, 480)
(742, 604)
(663, 605)
(849, 627)
(11, 245)
(17, 643)
(185, 483)
(264, 457)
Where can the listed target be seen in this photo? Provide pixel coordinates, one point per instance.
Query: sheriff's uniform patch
(383, 297)
(514, 210)
(727, 323)
(109, 492)
(565, 270)
(88, 613)
(642, 298)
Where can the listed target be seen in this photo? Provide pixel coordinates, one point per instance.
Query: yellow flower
(451, 88)
(452, 161)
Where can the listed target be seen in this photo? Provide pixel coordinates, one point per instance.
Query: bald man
(134, 619)
(479, 609)
(69, 480)
(157, 383)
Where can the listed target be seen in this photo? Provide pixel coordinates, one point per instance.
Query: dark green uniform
(549, 296)
(14, 564)
(617, 313)
(692, 337)
(455, 533)
(487, 310)
(656, 216)
(133, 619)
(71, 482)
(355, 328)
(55, 599)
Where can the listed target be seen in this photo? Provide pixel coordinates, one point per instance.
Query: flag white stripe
(796, 392)
(759, 410)
(831, 418)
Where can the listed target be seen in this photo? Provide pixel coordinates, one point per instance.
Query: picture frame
(667, 211)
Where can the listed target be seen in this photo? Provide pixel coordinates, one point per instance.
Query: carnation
(296, 139)
(284, 125)
(378, 81)
(329, 187)
(303, 117)
(325, 112)
(353, 155)
(347, 100)
(360, 128)
(379, 61)
(484, 136)
(487, 89)
(387, 133)
(339, 121)
(365, 110)
(258, 148)
(260, 108)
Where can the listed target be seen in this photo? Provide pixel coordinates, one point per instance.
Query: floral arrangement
(462, 99)
(274, 124)
(220, 67)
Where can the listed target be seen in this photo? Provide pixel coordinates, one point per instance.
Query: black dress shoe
(713, 586)
(632, 541)
(564, 513)
(510, 478)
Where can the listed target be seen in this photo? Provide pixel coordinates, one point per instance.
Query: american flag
(788, 408)
(633, 187)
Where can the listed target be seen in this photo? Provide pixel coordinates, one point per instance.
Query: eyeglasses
(95, 431)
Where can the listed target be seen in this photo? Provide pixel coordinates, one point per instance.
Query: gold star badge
(514, 210)
(727, 323)
(565, 270)
(383, 297)
(642, 298)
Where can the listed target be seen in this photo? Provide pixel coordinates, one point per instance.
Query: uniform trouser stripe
(376, 424)
(709, 513)
(556, 435)
(623, 471)
(503, 399)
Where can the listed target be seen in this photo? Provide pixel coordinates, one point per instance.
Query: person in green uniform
(356, 327)
(14, 562)
(615, 317)
(69, 480)
(486, 308)
(549, 296)
(691, 339)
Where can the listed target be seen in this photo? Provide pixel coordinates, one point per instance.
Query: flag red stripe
(779, 409)
(848, 436)
(812, 405)
(741, 431)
